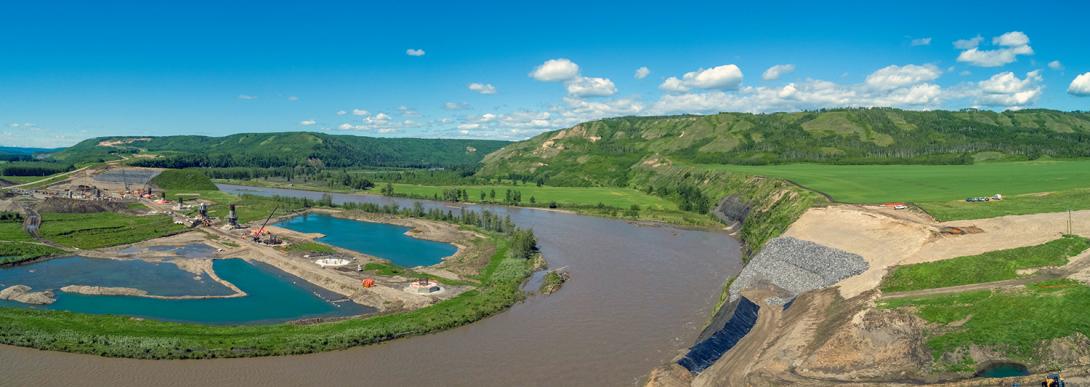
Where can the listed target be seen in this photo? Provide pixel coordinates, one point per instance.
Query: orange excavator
(262, 236)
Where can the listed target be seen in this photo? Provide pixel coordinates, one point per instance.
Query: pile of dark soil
(73, 206)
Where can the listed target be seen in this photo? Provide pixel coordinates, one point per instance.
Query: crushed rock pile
(796, 266)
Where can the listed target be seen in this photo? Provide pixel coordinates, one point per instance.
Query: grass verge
(988, 267)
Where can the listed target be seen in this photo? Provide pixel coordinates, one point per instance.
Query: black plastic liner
(788, 304)
(706, 352)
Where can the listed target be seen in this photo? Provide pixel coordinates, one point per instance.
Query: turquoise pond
(1003, 370)
(378, 239)
(272, 295)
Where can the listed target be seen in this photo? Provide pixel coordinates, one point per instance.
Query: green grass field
(22, 179)
(942, 189)
(310, 247)
(16, 245)
(1014, 321)
(177, 180)
(1033, 203)
(572, 196)
(988, 267)
(104, 229)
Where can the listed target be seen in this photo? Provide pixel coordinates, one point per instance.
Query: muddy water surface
(638, 297)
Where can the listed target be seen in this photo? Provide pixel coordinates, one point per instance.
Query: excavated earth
(835, 335)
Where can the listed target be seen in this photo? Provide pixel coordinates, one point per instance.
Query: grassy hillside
(285, 149)
(1013, 322)
(604, 152)
(183, 180)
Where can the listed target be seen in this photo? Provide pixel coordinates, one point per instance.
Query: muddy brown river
(638, 296)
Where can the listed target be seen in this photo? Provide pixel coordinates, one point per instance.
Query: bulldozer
(1054, 380)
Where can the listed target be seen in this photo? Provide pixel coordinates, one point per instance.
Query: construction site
(348, 275)
(837, 301)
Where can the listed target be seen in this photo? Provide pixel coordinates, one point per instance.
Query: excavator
(1054, 380)
(262, 236)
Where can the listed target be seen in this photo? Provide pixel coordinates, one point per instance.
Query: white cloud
(642, 72)
(1011, 39)
(359, 112)
(488, 117)
(893, 76)
(921, 42)
(407, 111)
(905, 86)
(554, 70)
(1055, 65)
(307, 122)
(293, 98)
(965, 44)
(591, 87)
(1080, 86)
(245, 97)
(380, 122)
(1007, 90)
(341, 112)
(483, 88)
(774, 72)
(1009, 46)
(719, 77)
(414, 52)
(455, 106)
(468, 126)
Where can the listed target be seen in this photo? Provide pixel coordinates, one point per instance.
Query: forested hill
(604, 152)
(285, 149)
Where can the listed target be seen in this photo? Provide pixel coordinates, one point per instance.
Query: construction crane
(124, 180)
(272, 239)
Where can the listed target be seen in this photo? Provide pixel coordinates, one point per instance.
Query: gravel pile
(797, 266)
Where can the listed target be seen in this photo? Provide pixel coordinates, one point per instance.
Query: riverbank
(599, 208)
(854, 333)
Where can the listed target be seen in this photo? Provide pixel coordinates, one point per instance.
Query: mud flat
(22, 293)
(120, 291)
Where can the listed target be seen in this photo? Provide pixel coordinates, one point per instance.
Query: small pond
(272, 295)
(378, 239)
(1002, 370)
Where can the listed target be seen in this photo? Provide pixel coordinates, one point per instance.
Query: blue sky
(74, 70)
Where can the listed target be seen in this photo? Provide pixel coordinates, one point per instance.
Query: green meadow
(571, 196)
(1029, 186)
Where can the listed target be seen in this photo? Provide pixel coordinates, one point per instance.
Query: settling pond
(638, 297)
(272, 295)
(378, 239)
